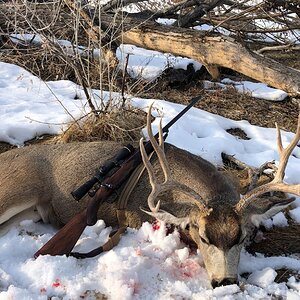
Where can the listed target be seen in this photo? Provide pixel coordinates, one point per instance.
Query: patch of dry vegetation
(279, 241)
(116, 125)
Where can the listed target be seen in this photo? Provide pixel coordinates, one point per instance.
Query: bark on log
(211, 49)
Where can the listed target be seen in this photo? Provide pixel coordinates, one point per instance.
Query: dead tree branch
(212, 49)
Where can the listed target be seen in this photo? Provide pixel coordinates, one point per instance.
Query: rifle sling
(121, 214)
(128, 188)
(112, 242)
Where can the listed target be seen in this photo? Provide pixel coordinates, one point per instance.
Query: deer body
(44, 176)
(179, 188)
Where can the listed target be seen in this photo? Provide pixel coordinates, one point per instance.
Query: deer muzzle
(221, 266)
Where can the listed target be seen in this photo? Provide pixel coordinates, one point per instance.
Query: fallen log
(213, 50)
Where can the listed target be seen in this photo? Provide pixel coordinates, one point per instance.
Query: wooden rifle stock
(65, 239)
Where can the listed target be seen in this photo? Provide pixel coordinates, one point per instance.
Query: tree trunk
(211, 49)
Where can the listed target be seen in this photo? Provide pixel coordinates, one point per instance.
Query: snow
(295, 214)
(208, 27)
(36, 39)
(292, 282)
(257, 90)
(150, 64)
(254, 89)
(282, 37)
(278, 220)
(263, 278)
(147, 263)
(24, 99)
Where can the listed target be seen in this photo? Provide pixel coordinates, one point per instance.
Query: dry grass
(117, 125)
(279, 241)
(121, 125)
(283, 275)
(48, 65)
(289, 58)
(54, 22)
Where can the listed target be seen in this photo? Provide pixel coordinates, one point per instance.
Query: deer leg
(18, 216)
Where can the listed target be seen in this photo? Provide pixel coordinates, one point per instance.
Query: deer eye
(204, 240)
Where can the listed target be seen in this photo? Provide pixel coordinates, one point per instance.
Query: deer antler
(277, 183)
(169, 183)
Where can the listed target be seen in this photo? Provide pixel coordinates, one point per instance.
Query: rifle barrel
(175, 119)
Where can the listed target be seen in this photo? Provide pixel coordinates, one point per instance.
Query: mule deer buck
(189, 192)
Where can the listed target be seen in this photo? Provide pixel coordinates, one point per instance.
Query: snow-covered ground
(148, 263)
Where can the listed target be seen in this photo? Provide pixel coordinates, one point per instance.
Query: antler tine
(277, 183)
(168, 183)
(284, 153)
(161, 136)
(152, 179)
(158, 148)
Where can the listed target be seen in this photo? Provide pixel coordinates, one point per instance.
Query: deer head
(219, 226)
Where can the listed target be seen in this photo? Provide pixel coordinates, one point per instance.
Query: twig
(278, 48)
(124, 80)
(200, 10)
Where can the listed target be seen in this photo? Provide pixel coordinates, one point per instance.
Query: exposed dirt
(5, 147)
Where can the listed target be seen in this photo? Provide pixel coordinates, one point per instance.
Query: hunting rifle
(65, 239)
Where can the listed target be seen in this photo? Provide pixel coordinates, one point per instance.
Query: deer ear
(262, 209)
(167, 217)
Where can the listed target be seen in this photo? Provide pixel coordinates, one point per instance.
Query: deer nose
(225, 281)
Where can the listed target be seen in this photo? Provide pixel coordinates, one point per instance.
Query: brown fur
(223, 229)
(47, 174)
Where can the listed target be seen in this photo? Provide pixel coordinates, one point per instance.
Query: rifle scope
(121, 155)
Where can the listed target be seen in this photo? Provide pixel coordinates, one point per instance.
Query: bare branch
(118, 3)
(278, 48)
(200, 10)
